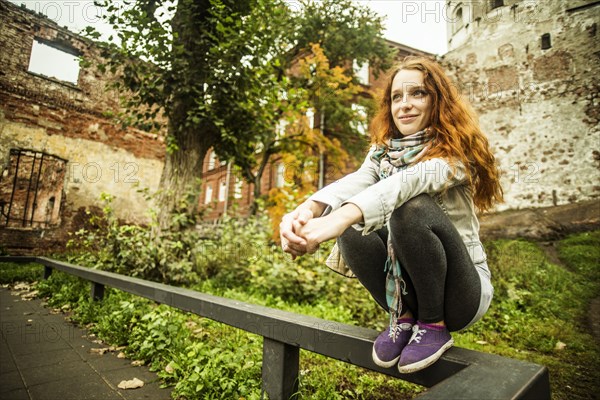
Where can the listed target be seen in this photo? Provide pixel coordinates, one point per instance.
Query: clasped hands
(301, 232)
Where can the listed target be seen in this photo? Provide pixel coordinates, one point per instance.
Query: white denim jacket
(378, 198)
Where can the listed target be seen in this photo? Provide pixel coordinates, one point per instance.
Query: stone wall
(49, 119)
(538, 106)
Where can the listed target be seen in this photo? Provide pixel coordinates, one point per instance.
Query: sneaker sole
(384, 364)
(419, 365)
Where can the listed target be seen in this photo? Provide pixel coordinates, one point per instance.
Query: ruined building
(531, 69)
(59, 149)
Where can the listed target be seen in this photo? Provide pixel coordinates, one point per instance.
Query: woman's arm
(334, 194)
(378, 201)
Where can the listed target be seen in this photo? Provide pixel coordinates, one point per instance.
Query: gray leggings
(441, 281)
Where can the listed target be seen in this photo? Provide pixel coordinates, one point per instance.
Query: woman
(405, 221)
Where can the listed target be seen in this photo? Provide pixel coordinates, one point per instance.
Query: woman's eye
(396, 97)
(419, 93)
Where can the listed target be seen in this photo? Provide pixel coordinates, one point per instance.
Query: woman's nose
(404, 103)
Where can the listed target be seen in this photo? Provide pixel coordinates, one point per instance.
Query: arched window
(212, 160)
(457, 18)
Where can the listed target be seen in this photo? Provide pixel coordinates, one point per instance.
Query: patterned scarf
(393, 157)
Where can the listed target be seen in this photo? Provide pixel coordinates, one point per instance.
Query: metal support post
(97, 291)
(280, 369)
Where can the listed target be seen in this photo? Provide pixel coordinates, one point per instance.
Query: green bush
(136, 250)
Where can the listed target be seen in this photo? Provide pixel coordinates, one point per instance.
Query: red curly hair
(457, 133)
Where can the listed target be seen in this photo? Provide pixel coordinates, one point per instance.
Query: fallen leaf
(30, 295)
(22, 286)
(100, 351)
(482, 342)
(560, 346)
(169, 368)
(131, 384)
(190, 324)
(121, 355)
(137, 363)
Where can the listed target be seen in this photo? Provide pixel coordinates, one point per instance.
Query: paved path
(44, 357)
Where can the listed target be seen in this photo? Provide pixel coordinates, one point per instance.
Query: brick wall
(70, 122)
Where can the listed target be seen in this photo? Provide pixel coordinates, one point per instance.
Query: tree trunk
(257, 178)
(180, 184)
(179, 188)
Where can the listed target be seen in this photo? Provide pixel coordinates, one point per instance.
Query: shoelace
(417, 334)
(395, 332)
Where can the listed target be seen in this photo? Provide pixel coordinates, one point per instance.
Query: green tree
(342, 31)
(217, 72)
(200, 64)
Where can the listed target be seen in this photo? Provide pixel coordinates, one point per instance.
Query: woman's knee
(413, 212)
(349, 237)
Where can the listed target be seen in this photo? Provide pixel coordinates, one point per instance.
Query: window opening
(310, 115)
(212, 160)
(53, 62)
(546, 41)
(237, 193)
(496, 4)
(280, 175)
(457, 21)
(222, 190)
(208, 194)
(361, 71)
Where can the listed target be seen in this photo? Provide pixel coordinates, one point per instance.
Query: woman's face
(411, 104)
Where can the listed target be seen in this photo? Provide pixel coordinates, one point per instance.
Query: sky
(415, 23)
(418, 24)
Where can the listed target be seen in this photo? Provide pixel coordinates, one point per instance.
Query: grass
(13, 272)
(539, 314)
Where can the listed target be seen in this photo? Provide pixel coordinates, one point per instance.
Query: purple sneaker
(426, 346)
(388, 347)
